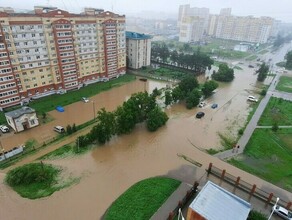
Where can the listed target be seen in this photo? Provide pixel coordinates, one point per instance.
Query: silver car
(282, 212)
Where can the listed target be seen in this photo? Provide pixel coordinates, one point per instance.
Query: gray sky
(281, 9)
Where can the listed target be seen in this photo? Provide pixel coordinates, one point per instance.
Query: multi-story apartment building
(51, 50)
(138, 49)
(193, 23)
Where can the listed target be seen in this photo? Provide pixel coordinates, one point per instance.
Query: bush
(254, 215)
(31, 173)
(275, 127)
(263, 92)
(240, 131)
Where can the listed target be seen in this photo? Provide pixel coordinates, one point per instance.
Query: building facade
(51, 50)
(138, 49)
(22, 119)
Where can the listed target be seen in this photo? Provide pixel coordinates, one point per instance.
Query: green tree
(156, 118)
(224, 74)
(174, 56)
(262, 72)
(193, 99)
(187, 84)
(168, 98)
(69, 129)
(288, 60)
(209, 87)
(156, 92)
(177, 94)
(125, 119)
(74, 128)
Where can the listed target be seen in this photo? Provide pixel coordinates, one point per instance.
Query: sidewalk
(172, 202)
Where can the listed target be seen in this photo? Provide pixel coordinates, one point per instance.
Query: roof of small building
(19, 112)
(216, 203)
(137, 36)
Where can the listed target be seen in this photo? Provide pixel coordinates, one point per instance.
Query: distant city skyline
(280, 11)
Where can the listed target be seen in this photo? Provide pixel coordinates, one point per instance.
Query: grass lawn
(281, 64)
(250, 58)
(143, 199)
(277, 110)
(268, 155)
(37, 180)
(170, 73)
(285, 84)
(49, 103)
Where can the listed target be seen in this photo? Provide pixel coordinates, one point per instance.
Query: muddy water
(108, 171)
(79, 113)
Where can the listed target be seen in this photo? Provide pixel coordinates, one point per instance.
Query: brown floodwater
(109, 170)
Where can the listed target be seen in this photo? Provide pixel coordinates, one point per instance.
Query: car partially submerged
(213, 106)
(4, 129)
(84, 99)
(200, 114)
(252, 99)
(282, 212)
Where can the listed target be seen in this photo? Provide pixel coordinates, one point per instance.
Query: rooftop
(212, 200)
(137, 36)
(19, 112)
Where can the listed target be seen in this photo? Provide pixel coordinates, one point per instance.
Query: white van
(59, 129)
(252, 99)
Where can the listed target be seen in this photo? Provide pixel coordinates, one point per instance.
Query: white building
(22, 119)
(138, 49)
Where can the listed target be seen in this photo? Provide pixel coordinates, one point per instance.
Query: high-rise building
(52, 49)
(193, 23)
(138, 49)
(225, 12)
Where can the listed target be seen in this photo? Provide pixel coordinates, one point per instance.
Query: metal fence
(252, 189)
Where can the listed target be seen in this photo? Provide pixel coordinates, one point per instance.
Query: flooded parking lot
(109, 170)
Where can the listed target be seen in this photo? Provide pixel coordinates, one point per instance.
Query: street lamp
(93, 106)
(273, 208)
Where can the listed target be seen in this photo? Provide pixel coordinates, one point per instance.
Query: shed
(215, 203)
(22, 119)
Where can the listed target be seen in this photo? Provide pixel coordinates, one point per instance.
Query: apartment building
(193, 23)
(50, 50)
(196, 23)
(138, 49)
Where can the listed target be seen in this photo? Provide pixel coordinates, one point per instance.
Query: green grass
(143, 199)
(285, 84)
(212, 151)
(170, 73)
(49, 103)
(281, 64)
(37, 180)
(252, 57)
(268, 155)
(277, 110)
(61, 152)
(237, 67)
(263, 51)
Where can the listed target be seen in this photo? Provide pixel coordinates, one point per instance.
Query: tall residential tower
(51, 50)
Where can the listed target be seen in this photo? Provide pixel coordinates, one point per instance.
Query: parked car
(59, 129)
(202, 104)
(250, 66)
(282, 212)
(84, 99)
(252, 99)
(4, 128)
(200, 114)
(214, 106)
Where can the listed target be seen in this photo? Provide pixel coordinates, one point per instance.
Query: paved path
(252, 125)
(172, 202)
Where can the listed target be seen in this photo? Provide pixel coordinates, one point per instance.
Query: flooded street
(109, 170)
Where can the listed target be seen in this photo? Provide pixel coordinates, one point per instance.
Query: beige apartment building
(138, 49)
(50, 50)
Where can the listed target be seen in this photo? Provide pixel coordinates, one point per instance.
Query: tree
(187, 84)
(156, 118)
(209, 87)
(125, 119)
(288, 60)
(224, 74)
(168, 98)
(177, 94)
(174, 57)
(193, 99)
(156, 92)
(74, 128)
(69, 129)
(262, 72)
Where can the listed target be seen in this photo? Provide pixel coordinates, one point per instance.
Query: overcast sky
(281, 9)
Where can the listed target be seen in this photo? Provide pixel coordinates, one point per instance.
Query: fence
(190, 193)
(251, 189)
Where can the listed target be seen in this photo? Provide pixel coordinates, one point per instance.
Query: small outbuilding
(22, 119)
(216, 203)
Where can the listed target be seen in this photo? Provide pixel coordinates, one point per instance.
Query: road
(272, 92)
